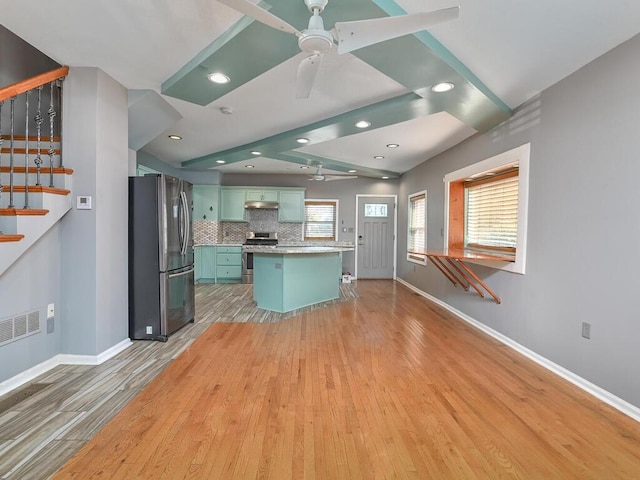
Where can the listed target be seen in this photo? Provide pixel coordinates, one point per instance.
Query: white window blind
(319, 220)
(416, 241)
(491, 213)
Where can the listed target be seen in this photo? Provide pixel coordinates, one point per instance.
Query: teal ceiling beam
(391, 8)
(381, 114)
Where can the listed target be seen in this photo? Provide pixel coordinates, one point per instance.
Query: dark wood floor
(386, 385)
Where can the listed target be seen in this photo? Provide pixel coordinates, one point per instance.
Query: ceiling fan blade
(362, 33)
(307, 72)
(260, 14)
(328, 178)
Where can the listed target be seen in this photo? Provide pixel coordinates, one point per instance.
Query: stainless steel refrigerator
(161, 270)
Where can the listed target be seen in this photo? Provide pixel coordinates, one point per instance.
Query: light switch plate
(50, 310)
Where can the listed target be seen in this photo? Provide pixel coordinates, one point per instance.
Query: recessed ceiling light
(363, 124)
(379, 157)
(175, 137)
(220, 161)
(385, 178)
(249, 166)
(442, 87)
(256, 152)
(304, 167)
(392, 145)
(351, 171)
(217, 77)
(226, 110)
(302, 140)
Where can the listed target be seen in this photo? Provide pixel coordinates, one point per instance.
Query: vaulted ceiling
(498, 54)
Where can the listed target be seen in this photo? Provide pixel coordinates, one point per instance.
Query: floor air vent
(20, 326)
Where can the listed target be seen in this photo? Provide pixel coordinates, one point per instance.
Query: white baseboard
(598, 392)
(61, 359)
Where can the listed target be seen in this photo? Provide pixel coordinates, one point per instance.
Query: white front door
(375, 239)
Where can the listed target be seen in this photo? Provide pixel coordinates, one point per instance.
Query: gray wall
(94, 242)
(584, 172)
(203, 177)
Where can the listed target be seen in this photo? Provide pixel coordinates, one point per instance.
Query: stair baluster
(38, 120)
(11, 151)
(26, 149)
(52, 151)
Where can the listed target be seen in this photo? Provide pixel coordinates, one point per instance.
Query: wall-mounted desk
(451, 263)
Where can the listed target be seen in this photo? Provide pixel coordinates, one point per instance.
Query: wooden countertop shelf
(451, 263)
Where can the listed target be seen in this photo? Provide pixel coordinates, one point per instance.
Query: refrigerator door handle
(181, 274)
(184, 225)
(187, 222)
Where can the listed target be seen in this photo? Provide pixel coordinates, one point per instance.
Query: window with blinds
(417, 223)
(491, 212)
(320, 220)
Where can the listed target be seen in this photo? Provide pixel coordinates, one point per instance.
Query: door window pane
(375, 209)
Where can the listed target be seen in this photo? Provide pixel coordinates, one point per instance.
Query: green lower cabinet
(205, 259)
(228, 264)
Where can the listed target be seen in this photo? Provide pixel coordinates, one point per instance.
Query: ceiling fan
(328, 178)
(349, 36)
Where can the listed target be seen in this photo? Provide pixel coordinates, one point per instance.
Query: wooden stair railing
(16, 141)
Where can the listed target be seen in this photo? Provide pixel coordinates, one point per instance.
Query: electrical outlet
(586, 330)
(149, 330)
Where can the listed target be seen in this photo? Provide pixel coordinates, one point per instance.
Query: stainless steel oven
(253, 242)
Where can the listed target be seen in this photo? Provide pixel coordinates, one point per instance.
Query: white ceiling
(517, 48)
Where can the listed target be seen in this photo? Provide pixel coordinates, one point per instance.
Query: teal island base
(286, 281)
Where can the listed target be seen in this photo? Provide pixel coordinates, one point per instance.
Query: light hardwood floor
(386, 385)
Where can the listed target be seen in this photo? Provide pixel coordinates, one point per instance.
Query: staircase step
(32, 138)
(15, 212)
(56, 170)
(32, 151)
(37, 189)
(11, 238)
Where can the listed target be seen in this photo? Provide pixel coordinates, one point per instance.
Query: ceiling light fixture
(385, 178)
(220, 161)
(175, 137)
(379, 157)
(256, 152)
(442, 87)
(363, 124)
(351, 171)
(302, 140)
(304, 167)
(217, 77)
(249, 166)
(392, 145)
(226, 110)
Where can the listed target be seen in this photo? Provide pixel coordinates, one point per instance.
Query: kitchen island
(287, 278)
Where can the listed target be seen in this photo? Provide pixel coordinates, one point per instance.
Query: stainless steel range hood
(261, 205)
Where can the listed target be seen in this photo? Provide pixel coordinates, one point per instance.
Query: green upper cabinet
(206, 202)
(232, 204)
(291, 208)
(266, 195)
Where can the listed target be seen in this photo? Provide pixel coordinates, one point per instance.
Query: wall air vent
(20, 326)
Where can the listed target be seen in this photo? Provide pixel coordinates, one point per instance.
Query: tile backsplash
(209, 233)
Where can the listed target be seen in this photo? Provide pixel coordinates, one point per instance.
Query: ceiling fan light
(363, 124)
(442, 87)
(218, 77)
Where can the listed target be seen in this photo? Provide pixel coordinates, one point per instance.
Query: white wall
(582, 228)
